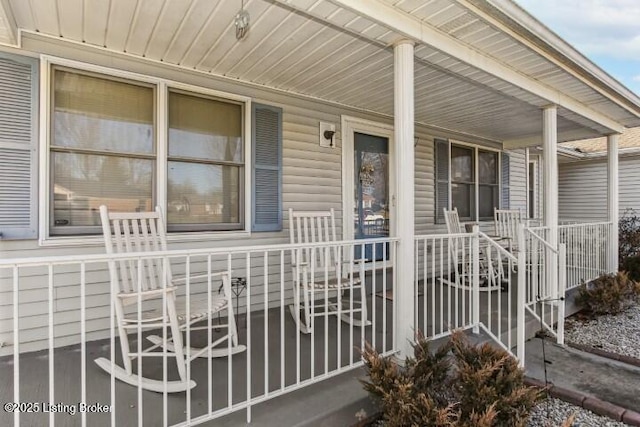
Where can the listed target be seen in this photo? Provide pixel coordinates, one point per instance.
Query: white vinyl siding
(583, 189)
(517, 180)
(311, 179)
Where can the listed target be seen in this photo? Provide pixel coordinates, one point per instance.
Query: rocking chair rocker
(149, 280)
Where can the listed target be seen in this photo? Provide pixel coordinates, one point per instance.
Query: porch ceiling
(323, 50)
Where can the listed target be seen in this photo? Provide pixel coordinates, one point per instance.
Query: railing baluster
(83, 340)
(266, 321)
(282, 333)
(249, 346)
(16, 344)
(52, 398)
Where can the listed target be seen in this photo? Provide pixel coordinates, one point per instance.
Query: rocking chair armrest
(358, 261)
(145, 294)
(183, 279)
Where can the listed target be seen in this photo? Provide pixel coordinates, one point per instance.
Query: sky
(605, 31)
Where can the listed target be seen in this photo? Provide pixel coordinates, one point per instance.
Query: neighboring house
(583, 177)
(175, 104)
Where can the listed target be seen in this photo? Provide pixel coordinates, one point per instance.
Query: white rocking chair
(506, 222)
(320, 272)
(150, 281)
(457, 246)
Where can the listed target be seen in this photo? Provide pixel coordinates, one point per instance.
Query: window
(489, 189)
(205, 163)
(102, 149)
(463, 181)
(472, 175)
(104, 145)
(531, 190)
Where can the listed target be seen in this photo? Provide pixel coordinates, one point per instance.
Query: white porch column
(403, 128)
(612, 199)
(550, 178)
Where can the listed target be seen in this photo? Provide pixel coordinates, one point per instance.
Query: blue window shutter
(267, 168)
(18, 143)
(442, 178)
(505, 181)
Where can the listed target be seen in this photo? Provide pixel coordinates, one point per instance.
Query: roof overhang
(483, 69)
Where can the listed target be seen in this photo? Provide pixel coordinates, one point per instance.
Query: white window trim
(163, 86)
(533, 161)
(476, 147)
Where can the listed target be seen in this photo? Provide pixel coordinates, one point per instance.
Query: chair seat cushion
(199, 309)
(334, 283)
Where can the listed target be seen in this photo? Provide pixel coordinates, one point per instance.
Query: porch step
(331, 403)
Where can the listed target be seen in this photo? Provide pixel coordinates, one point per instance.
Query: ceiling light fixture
(242, 22)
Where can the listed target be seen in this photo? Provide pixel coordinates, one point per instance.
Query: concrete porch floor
(265, 363)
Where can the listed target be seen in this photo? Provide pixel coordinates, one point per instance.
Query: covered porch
(483, 77)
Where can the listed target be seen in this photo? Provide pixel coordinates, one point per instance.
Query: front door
(372, 195)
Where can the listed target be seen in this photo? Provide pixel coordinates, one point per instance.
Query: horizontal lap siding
(583, 189)
(312, 180)
(424, 184)
(517, 180)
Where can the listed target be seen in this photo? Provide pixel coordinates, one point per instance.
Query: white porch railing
(544, 290)
(465, 281)
(588, 250)
(72, 322)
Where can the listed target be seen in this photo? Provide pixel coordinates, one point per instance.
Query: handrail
(94, 258)
(544, 242)
(498, 247)
(442, 236)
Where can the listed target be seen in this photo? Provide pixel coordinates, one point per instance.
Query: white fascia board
(575, 155)
(411, 27)
(535, 140)
(6, 16)
(524, 18)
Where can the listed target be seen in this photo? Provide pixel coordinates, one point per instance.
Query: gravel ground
(553, 412)
(618, 334)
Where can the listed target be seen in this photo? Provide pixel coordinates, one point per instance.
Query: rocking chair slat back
(506, 222)
(452, 220)
(139, 232)
(314, 227)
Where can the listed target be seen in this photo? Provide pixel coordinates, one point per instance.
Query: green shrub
(631, 266)
(411, 395)
(489, 376)
(474, 386)
(608, 294)
(628, 237)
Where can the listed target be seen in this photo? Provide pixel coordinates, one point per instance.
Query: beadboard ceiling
(319, 49)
